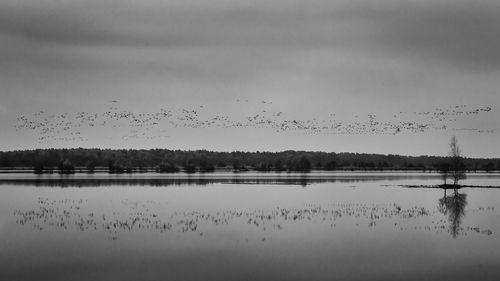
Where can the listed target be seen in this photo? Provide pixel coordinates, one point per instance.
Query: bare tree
(457, 169)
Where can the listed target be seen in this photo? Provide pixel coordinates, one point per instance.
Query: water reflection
(301, 179)
(125, 233)
(158, 182)
(67, 214)
(454, 206)
(157, 216)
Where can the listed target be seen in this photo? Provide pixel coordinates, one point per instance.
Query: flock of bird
(128, 124)
(132, 216)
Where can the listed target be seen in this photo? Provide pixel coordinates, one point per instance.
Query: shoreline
(449, 186)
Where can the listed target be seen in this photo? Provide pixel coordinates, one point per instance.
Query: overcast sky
(335, 75)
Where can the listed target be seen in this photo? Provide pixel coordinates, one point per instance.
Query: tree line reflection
(266, 179)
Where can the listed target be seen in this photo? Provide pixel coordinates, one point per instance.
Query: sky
(375, 76)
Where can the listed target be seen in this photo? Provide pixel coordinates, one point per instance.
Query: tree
(444, 169)
(167, 167)
(116, 168)
(278, 166)
(457, 169)
(488, 167)
(237, 166)
(90, 165)
(206, 166)
(263, 167)
(38, 168)
(66, 167)
(330, 166)
(189, 167)
(302, 165)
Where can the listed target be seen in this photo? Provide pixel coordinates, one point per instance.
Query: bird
(72, 127)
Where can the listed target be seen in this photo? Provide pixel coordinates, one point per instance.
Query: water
(248, 226)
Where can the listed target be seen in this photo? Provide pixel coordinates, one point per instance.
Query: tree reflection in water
(454, 206)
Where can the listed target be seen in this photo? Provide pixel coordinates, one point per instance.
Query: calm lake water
(247, 226)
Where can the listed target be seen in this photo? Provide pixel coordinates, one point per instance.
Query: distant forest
(168, 161)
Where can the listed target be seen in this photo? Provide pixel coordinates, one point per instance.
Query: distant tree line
(171, 161)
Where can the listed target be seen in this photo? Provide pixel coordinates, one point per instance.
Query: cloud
(465, 34)
(3, 109)
(454, 29)
(328, 49)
